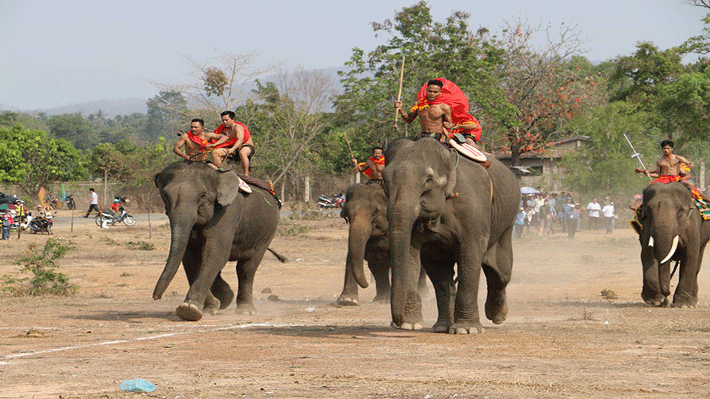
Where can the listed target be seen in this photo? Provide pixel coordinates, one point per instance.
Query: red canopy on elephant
(454, 97)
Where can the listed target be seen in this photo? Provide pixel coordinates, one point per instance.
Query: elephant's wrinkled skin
(366, 212)
(212, 222)
(449, 210)
(669, 212)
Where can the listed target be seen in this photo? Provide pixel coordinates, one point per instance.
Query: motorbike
(38, 225)
(337, 201)
(70, 202)
(103, 219)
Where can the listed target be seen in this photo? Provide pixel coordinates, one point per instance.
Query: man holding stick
(372, 168)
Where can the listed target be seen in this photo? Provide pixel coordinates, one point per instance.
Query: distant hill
(109, 107)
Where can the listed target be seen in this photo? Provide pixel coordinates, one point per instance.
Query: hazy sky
(55, 52)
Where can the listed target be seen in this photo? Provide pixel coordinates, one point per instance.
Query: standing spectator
(546, 218)
(566, 210)
(594, 212)
(520, 223)
(572, 221)
(608, 213)
(93, 203)
(6, 224)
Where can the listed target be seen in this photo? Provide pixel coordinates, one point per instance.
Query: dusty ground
(561, 339)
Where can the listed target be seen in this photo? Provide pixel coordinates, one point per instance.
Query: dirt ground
(562, 337)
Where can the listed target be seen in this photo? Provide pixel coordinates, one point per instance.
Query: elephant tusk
(650, 241)
(672, 251)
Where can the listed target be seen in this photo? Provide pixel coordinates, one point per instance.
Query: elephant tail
(278, 256)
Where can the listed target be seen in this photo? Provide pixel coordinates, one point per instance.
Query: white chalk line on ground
(123, 341)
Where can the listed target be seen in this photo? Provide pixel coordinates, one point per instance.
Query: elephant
(365, 210)
(670, 228)
(212, 222)
(443, 210)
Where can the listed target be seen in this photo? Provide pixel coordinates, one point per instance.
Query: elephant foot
(212, 306)
(189, 312)
(496, 311)
(657, 302)
(441, 327)
(344, 300)
(684, 302)
(223, 292)
(246, 309)
(407, 326)
(466, 328)
(381, 299)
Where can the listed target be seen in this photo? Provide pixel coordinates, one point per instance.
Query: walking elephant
(212, 222)
(670, 228)
(448, 210)
(365, 210)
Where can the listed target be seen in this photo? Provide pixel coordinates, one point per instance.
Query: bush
(42, 265)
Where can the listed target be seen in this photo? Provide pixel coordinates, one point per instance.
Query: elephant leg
(381, 271)
(686, 294)
(192, 262)
(466, 314)
(199, 295)
(498, 267)
(442, 277)
(222, 291)
(422, 286)
(651, 291)
(246, 269)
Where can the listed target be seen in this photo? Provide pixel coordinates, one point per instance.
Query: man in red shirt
(239, 142)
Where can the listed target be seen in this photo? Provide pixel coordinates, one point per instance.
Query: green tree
(74, 128)
(108, 162)
(32, 160)
(604, 164)
(431, 50)
(167, 113)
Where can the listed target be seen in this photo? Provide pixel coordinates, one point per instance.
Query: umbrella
(6, 206)
(528, 190)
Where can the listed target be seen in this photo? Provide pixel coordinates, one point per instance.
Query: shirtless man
(434, 118)
(198, 143)
(672, 168)
(375, 164)
(239, 141)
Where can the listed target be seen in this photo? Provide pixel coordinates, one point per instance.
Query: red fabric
(115, 206)
(455, 98)
(665, 179)
(367, 172)
(231, 141)
(201, 142)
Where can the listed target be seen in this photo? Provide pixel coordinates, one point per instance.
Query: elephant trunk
(405, 269)
(180, 230)
(359, 234)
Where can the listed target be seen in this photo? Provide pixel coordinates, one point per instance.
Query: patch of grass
(287, 229)
(41, 265)
(140, 245)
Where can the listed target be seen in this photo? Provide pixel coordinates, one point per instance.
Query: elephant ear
(227, 187)
(450, 164)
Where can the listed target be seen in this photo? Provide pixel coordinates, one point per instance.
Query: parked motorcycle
(70, 202)
(103, 219)
(336, 201)
(39, 225)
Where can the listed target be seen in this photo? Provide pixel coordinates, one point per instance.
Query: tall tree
(75, 129)
(431, 50)
(220, 83)
(31, 159)
(167, 113)
(547, 84)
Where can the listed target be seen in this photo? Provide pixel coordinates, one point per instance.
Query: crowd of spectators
(542, 214)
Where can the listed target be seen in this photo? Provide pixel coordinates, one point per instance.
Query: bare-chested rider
(240, 142)
(433, 119)
(198, 143)
(672, 168)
